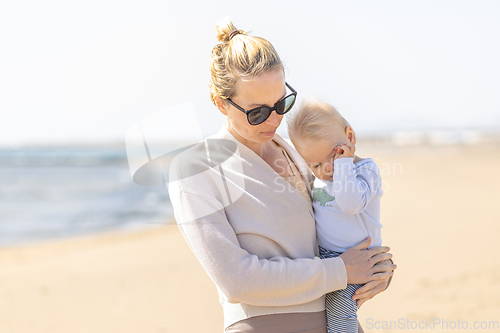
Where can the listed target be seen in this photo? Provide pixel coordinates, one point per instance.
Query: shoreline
(63, 245)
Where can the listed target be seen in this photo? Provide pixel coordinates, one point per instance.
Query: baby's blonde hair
(238, 55)
(313, 120)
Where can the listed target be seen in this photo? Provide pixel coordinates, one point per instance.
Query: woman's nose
(274, 119)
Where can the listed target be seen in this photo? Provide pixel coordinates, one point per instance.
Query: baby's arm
(353, 189)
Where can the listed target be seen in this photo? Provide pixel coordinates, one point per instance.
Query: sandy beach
(441, 221)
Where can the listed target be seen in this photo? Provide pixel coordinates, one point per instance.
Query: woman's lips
(270, 133)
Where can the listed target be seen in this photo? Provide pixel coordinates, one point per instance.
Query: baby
(346, 200)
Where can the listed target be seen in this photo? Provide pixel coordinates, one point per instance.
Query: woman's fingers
(361, 292)
(381, 257)
(382, 272)
(381, 275)
(377, 289)
(363, 265)
(384, 266)
(378, 249)
(385, 262)
(363, 244)
(357, 263)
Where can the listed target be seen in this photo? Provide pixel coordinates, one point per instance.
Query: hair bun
(226, 30)
(234, 33)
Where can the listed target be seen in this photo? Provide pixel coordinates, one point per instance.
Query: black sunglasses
(259, 115)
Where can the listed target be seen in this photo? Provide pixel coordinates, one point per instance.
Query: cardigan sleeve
(242, 276)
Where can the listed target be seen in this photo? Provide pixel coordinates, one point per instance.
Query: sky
(86, 72)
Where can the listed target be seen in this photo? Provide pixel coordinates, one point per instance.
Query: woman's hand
(361, 263)
(372, 288)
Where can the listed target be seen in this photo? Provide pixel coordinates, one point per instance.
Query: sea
(55, 192)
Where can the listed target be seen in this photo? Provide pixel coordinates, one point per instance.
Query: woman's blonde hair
(238, 55)
(314, 120)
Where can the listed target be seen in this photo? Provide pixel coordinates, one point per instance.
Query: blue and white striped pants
(341, 310)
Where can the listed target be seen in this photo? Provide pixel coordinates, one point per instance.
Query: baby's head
(317, 129)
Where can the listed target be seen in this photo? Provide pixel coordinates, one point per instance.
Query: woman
(242, 201)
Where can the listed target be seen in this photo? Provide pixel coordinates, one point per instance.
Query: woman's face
(263, 90)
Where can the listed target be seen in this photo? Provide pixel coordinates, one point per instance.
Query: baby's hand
(345, 150)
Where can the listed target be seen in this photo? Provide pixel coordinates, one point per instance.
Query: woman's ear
(350, 135)
(220, 105)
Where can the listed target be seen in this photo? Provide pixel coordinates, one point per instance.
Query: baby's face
(320, 154)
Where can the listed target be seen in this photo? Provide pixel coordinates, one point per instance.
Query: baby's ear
(349, 132)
